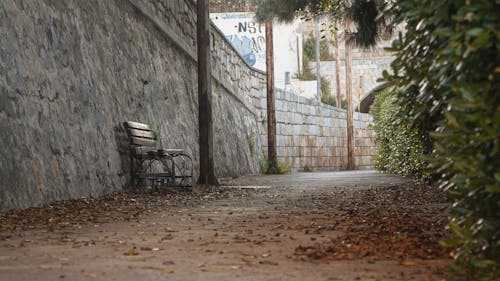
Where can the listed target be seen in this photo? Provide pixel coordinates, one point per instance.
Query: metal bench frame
(176, 165)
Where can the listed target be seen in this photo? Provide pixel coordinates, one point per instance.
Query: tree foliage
(309, 49)
(400, 148)
(445, 77)
(285, 10)
(365, 14)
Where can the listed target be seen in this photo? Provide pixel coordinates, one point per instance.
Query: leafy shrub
(328, 99)
(447, 78)
(324, 86)
(280, 167)
(331, 100)
(309, 49)
(306, 74)
(308, 52)
(399, 146)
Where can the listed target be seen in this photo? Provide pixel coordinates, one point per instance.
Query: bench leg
(183, 170)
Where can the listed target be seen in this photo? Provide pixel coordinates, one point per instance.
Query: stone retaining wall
(313, 135)
(370, 68)
(72, 71)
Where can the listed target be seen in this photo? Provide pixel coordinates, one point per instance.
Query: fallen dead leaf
(167, 237)
(131, 252)
(247, 261)
(208, 270)
(168, 271)
(268, 262)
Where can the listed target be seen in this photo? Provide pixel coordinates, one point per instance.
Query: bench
(153, 165)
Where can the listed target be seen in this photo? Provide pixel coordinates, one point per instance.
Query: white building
(249, 38)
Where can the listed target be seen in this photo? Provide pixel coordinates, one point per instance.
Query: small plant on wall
(251, 143)
(281, 167)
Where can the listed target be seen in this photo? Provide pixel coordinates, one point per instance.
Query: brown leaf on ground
(268, 262)
(399, 223)
(131, 252)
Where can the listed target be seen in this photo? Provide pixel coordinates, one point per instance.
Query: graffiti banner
(246, 35)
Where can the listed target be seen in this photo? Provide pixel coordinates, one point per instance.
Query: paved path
(249, 231)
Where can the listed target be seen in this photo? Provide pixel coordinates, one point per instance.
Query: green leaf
(475, 32)
(483, 263)
(450, 242)
(493, 188)
(455, 229)
(451, 119)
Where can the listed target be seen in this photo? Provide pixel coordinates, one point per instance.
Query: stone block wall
(72, 71)
(314, 135)
(370, 68)
(179, 15)
(234, 87)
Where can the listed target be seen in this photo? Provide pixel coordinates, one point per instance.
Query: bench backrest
(140, 135)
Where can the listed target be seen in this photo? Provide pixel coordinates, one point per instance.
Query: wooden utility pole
(207, 171)
(348, 80)
(271, 117)
(337, 69)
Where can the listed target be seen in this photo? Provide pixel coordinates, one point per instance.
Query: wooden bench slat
(143, 141)
(137, 125)
(141, 133)
(154, 175)
(172, 150)
(143, 150)
(160, 175)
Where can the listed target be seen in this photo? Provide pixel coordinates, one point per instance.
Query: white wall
(285, 38)
(248, 37)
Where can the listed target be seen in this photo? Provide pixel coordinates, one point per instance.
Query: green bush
(328, 99)
(306, 74)
(399, 146)
(331, 100)
(446, 73)
(309, 49)
(325, 87)
(266, 167)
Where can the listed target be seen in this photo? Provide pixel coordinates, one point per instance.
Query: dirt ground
(304, 226)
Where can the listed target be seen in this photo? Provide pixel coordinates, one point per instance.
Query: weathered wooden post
(271, 117)
(348, 79)
(207, 169)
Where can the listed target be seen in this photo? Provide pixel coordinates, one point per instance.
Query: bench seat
(152, 164)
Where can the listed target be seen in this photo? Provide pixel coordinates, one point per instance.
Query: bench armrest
(171, 150)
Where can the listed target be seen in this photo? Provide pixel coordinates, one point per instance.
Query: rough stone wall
(370, 68)
(314, 135)
(236, 88)
(72, 71)
(179, 15)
